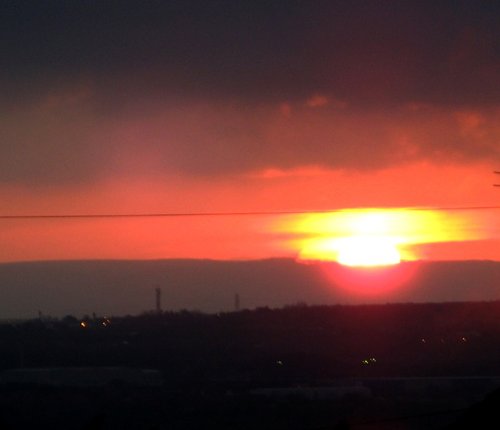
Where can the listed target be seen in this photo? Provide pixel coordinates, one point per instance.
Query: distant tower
(158, 300)
(236, 302)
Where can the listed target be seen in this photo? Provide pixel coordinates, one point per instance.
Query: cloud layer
(96, 89)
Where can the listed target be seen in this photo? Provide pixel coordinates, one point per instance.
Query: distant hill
(127, 287)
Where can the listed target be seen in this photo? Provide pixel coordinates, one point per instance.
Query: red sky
(241, 237)
(286, 106)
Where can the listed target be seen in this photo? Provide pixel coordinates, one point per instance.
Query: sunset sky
(134, 107)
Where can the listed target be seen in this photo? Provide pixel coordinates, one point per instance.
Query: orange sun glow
(374, 237)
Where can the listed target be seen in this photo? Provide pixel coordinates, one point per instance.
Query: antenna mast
(158, 300)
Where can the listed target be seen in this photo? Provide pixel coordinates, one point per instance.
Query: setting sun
(367, 252)
(375, 237)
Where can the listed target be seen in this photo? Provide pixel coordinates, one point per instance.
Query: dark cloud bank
(444, 51)
(221, 87)
(127, 287)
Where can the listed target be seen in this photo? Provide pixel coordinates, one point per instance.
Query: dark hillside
(397, 366)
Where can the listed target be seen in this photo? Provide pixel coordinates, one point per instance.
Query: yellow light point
(367, 251)
(373, 237)
(83, 324)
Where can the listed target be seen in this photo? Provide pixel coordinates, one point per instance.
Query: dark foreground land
(406, 366)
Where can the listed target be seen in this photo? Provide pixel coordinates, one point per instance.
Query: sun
(354, 251)
(371, 251)
(361, 238)
(367, 252)
(373, 237)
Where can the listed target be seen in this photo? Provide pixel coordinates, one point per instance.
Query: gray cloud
(442, 52)
(92, 88)
(69, 137)
(117, 288)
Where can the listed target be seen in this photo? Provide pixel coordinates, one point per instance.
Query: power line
(222, 214)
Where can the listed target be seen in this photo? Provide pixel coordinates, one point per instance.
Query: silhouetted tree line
(213, 365)
(289, 344)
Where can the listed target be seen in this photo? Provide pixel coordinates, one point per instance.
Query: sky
(244, 106)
